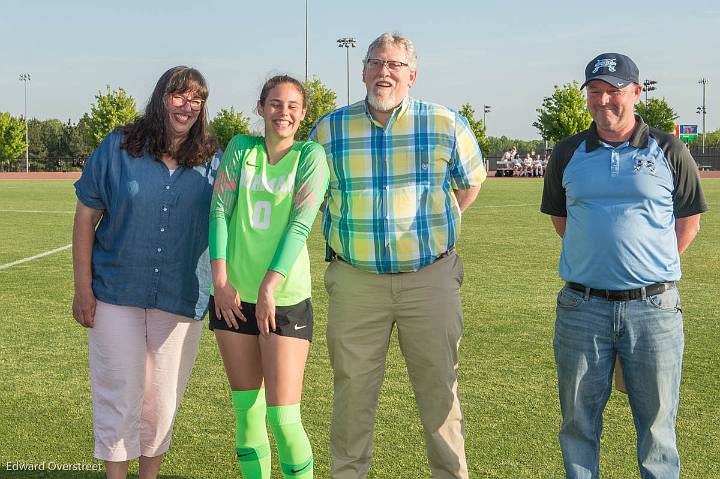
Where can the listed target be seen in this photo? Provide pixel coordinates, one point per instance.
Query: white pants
(140, 363)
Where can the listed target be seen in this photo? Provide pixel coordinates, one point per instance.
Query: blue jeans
(647, 334)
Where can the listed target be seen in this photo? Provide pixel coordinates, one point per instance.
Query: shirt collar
(638, 138)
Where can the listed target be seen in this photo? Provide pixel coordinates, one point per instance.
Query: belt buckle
(623, 295)
(619, 295)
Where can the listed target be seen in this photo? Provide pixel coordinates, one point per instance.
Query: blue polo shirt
(621, 203)
(151, 245)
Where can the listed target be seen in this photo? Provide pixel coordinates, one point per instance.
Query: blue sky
(504, 54)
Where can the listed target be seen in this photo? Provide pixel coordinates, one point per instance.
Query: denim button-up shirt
(151, 245)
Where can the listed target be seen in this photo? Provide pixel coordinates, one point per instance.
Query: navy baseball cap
(613, 68)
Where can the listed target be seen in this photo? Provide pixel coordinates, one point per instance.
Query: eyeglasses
(179, 100)
(377, 64)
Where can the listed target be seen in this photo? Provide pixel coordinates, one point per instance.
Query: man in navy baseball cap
(614, 68)
(626, 200)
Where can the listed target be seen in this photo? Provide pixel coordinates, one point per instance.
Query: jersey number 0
(261, 215)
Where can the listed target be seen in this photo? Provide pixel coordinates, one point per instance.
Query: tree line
(61, 146)
(564, 113)
(55, 145)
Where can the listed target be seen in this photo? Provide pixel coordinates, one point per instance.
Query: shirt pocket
(425, 165)
(438, 158)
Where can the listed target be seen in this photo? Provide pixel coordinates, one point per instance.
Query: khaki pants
(364, 307)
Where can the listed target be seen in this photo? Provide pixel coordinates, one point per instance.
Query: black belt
(330, 255)
(622, 295)
(446, 253)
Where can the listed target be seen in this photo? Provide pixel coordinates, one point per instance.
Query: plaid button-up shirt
(391, 206)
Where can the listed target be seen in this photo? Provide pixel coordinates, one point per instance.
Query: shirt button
(167, 187)
(157, 270)
(159, 250)
(164, 208)
(162, 230)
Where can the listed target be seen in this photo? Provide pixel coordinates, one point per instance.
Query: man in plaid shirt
(401, 173)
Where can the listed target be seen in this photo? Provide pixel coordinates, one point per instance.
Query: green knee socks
(251, 439)
(296, 460)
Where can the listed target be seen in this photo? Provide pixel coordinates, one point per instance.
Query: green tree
(83, 126)
(658, 114)
(499, 145)
(320, 101)
(45, 140)
(477, 126)
(563, 114)
(12, 139)
(112, 109)
(228, 123)
(73, 149)
(712, 138)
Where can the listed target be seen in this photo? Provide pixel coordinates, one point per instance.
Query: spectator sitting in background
(517, 166)
(527, 165)
(537, 166)
(505, 162)
(509, 155)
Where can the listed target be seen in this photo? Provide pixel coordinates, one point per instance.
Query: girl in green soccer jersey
(266, 196)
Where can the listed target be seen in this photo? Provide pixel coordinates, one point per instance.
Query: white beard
(382, 104)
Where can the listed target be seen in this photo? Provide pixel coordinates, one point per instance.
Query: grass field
(507, 376)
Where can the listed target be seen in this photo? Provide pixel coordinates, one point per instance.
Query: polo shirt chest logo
(644, 162)
(609, 63)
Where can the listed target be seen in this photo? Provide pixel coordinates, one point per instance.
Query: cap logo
(609, 63)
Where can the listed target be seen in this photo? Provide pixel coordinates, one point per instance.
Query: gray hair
(397, 39)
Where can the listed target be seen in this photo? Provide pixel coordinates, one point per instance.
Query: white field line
(57, 250)
(25, 260)
(37, 211)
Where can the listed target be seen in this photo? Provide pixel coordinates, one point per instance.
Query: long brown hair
(148, 131)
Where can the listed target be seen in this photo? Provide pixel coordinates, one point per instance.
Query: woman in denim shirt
(142, 279)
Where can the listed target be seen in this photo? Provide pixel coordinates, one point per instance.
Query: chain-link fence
(61, 164)
(708, 160)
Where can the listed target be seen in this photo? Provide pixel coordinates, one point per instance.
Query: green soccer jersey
(261, 215)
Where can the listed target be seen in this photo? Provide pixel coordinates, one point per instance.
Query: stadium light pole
(648, 86)
(486, 109)
(306, 41)
(347, 43)
(703, 82)
(25, 78)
